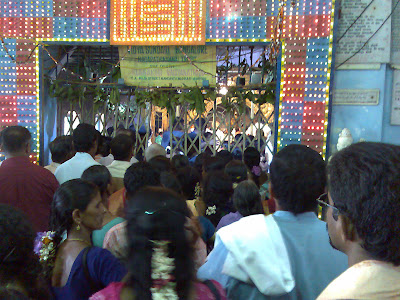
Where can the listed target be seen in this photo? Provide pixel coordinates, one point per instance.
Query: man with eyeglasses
(285, 255)
(363, 217)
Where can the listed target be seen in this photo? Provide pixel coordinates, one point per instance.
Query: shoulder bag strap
(94, 286)
(213, 289)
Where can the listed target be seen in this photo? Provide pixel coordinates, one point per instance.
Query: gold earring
(78, 227)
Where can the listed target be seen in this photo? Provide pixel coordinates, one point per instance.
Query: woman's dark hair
(103, 146)
(71, 195)
(180, 161)
(217, 190)
(298, 177)
(247, 199)
(237, 154)
(158, 214)
(364, 184)
(139, 175)
(213, 164)
(188, 178)
(161, 164)
(18, 262)
(169, 181)
(236, 170)
(198, 163)
(99, 175)
(251, 157)
(61, 148)
(225, 155)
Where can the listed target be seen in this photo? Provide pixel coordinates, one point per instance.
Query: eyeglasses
(323, 202)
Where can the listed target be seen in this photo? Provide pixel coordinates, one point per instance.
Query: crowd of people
(102, 223)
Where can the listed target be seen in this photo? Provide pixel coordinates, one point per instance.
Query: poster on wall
(165, 66)
(351, 40)
(395, 114)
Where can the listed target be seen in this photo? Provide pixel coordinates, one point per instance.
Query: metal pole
(240, 52)
(215, 127)
(227, 65)
(263, 66)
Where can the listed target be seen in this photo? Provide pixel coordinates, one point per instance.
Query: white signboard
(356, 97)
(395, 115)
(378, 48)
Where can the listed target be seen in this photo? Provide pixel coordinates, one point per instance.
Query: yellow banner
(166, 66)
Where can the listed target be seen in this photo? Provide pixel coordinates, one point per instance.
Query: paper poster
(378, 49)
(165, 66)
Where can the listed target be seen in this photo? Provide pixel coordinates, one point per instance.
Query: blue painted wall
(371, 123)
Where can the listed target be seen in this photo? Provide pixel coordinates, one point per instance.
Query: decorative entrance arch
(305, 30)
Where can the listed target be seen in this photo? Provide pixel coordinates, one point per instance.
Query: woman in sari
(160, 257)
(74, 267)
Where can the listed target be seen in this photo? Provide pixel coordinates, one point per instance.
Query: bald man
(154, 150)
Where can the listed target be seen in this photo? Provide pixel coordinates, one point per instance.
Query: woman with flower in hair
(74, 268)
(160, 257)
(252, 158)
(217, 192)
(20, 270)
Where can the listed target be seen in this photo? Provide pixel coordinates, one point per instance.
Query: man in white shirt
(122, 150)
(84, 140)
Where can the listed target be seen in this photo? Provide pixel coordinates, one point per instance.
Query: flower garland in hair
(161, 268)
(45, 246)
(211, 210)
(256, 170)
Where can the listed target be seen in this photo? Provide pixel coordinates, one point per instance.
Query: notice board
(164, 66)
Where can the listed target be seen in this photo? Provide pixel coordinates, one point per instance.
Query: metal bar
(243, 128)
(229, 131)
(251, 60)
(277, 93)
(215, 126)
(240, 53)
(258, 127)
(335, 30)
(263, 65)
(227, 65)
(185, 129)
(171, 132)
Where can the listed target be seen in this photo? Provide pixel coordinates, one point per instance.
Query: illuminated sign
(159, 22)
